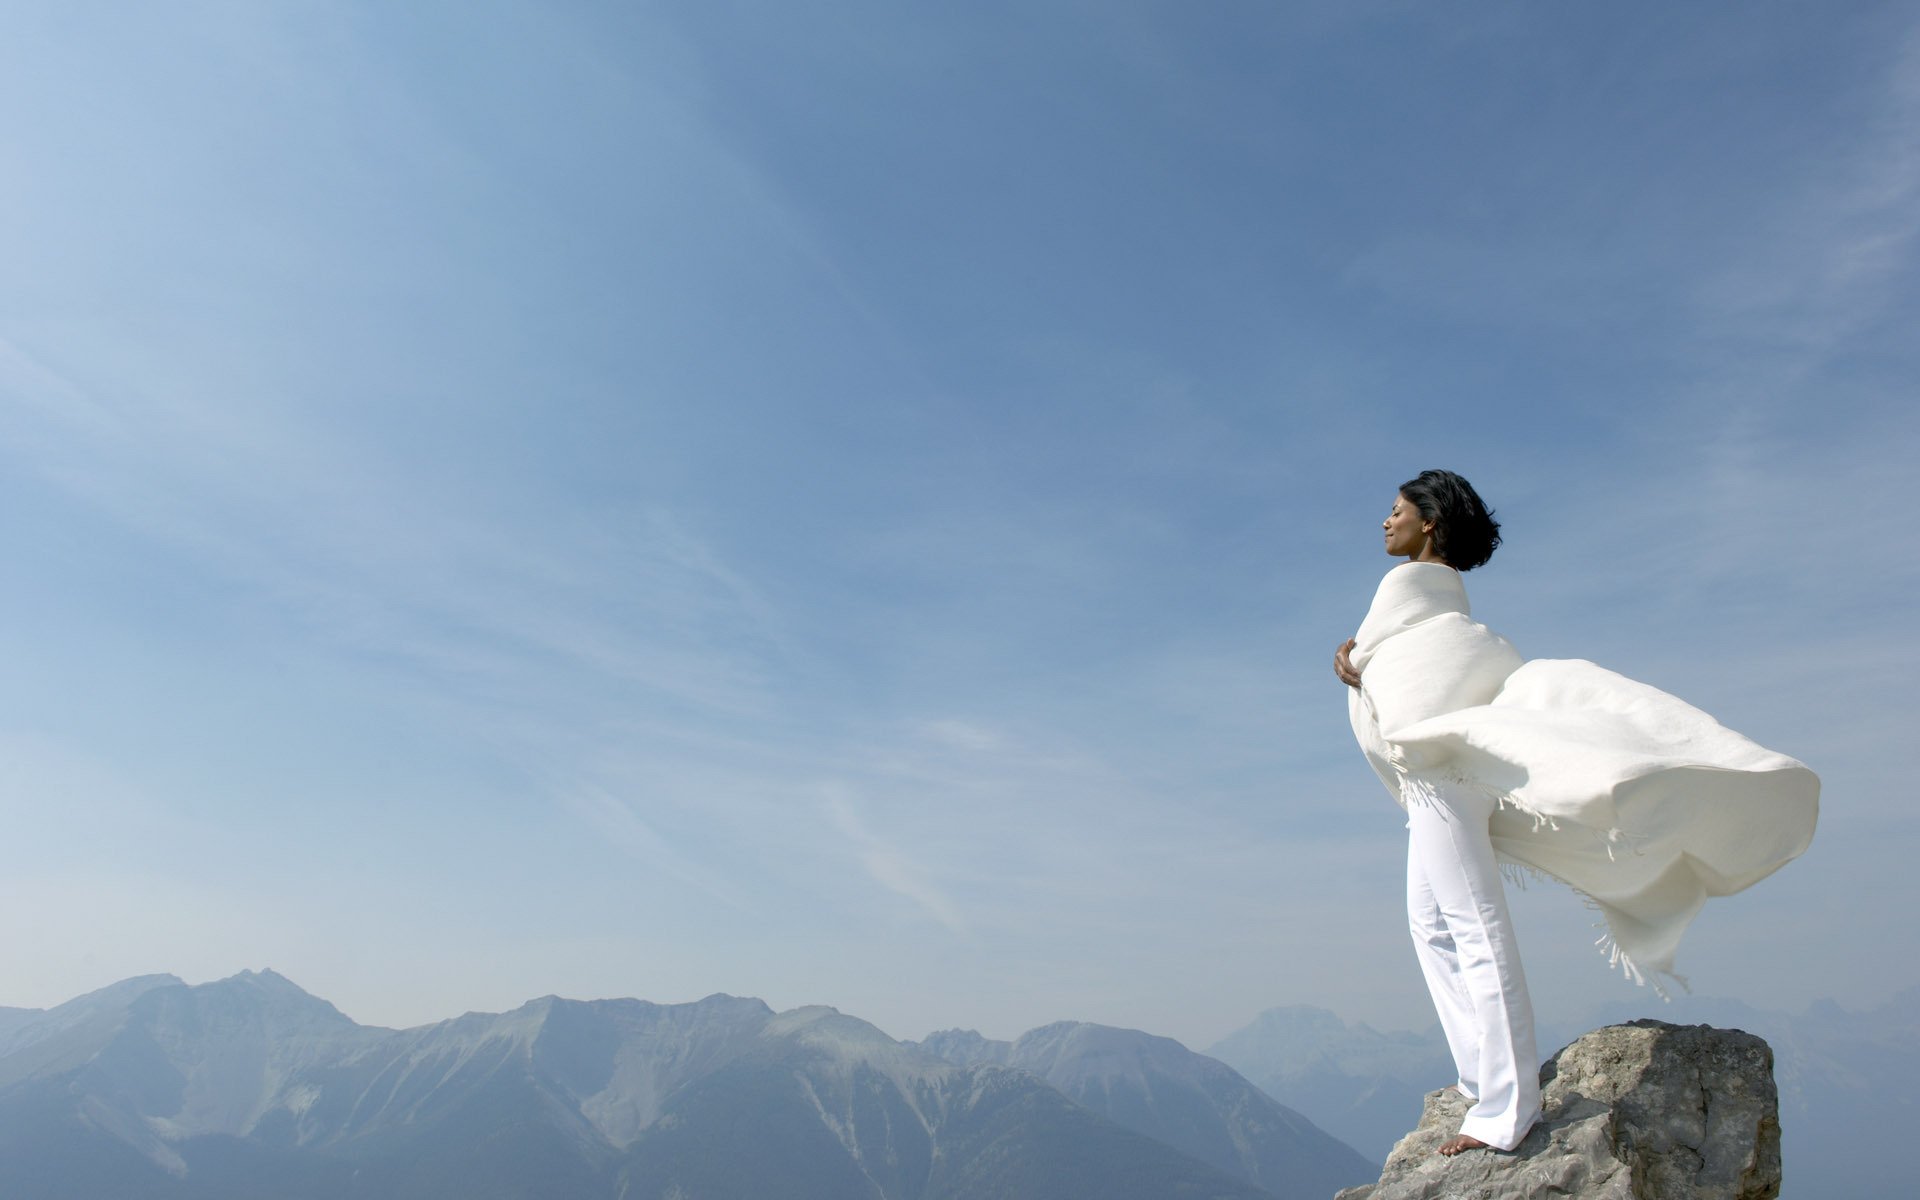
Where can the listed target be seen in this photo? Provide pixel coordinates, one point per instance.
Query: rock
(1642, 1111)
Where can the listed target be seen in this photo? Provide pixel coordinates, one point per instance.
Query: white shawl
(1636, 799)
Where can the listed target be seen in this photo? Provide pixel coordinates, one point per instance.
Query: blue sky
(853, 503)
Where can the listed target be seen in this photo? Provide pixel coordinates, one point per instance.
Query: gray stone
(1643, 1111)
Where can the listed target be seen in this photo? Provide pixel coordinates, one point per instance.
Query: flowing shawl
(1635, 799)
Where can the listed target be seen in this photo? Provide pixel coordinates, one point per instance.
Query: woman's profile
(1640, 802)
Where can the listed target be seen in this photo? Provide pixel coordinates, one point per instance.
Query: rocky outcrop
(1643, 1111)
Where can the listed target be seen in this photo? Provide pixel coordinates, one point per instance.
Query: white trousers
(1464, 938)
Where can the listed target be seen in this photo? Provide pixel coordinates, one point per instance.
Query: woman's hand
(1343, 666)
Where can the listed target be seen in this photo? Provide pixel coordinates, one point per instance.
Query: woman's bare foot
(1459, 1142)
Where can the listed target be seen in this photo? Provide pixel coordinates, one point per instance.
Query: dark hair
(1464, 531)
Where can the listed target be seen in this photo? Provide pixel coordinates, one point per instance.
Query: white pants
(1464, 938)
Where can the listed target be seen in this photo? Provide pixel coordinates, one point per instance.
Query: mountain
(907, 1123)
(112, 1091)
(250, 1086)
(1360, 1085)
(1845, 1079)
(1156, 1086)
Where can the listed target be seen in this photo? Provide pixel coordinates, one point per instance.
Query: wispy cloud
(891, 867)
(962, 735)
(383, 562)
(624, 827)
(1831, 255)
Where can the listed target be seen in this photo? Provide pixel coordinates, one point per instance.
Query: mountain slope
(1158, 1087)
(148, 1065)
(1359, 1084)
(20, 1027)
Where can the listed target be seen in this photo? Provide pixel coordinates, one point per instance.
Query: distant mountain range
(1848, 1090)
(251, 1087)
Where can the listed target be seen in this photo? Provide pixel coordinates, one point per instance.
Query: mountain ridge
(250, 1085)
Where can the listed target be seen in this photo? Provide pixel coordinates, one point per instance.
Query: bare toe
(1459, 1142)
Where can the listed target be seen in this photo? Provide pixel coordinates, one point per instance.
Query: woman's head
(1463, 531)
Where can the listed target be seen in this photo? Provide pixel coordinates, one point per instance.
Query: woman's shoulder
(1426, 573)
(1421, 582)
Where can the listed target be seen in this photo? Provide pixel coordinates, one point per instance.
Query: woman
(1634, 798)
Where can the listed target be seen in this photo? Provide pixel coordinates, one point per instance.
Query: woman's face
(1408, 533)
